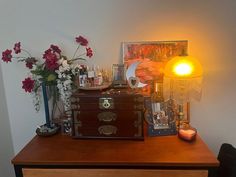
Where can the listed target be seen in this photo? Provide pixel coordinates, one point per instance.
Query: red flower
(28, 84)
(17, 48)
(55, 49)
(89, 52)
(6, 56)
(51, 61)
(81, 40)
(51, 58)
(46, 53)
(30, 62)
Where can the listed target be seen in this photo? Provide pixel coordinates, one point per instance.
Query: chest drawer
(108, 124)
(112, 173)
(98, 115)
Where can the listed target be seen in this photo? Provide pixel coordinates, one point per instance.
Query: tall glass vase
(49, 128)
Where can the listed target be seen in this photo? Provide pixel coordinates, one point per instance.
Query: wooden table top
(158, 151)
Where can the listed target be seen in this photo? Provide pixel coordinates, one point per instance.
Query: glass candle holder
(187, 133)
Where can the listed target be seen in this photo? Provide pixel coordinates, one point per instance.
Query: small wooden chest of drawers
(116, 115)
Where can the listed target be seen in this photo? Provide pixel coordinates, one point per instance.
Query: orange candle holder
(187, 133)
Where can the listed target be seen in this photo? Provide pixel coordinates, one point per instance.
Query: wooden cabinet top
(162, 151)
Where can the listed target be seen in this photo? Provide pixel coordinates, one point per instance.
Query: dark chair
(227, 159)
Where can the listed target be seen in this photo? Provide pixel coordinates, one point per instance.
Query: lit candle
(156, 87)
(187, 134)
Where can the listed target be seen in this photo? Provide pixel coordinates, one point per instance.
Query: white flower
(75, 68)
(59, 74)
(61, 69)
(67, 82)
(65, 65)
(60, 61)
(65, 90)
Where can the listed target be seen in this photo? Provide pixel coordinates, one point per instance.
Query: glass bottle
(160, 119)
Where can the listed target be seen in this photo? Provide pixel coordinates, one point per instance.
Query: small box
(116, 114)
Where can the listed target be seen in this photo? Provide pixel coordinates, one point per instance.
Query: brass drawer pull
(107, 116)
(107, 130)
(106, 103)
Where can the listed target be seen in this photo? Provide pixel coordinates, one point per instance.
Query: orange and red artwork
(153, 57)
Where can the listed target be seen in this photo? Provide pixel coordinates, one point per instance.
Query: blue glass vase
(46, 107)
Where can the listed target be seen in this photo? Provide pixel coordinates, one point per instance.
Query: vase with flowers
(53, 77)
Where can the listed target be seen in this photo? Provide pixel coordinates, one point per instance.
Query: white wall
(6, 146)
(209, 26)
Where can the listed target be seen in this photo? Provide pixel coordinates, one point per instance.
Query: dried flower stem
(76, 51)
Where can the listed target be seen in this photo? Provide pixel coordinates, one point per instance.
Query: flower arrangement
(55, 70)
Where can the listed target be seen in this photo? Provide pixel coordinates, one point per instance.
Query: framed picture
(118, 75)
(163, 121)
(152, 57)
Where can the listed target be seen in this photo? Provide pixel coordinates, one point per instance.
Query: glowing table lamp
(182, 82)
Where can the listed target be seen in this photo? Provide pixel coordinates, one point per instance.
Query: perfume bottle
(91, 75)
(81, 79)
(98, 79)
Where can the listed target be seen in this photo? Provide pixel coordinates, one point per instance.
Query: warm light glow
(183, 69)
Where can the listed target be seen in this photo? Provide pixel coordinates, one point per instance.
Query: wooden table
(62, 156)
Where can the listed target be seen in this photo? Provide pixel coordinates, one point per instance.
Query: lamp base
(43, 130)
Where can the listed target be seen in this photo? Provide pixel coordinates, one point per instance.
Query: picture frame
(152, 57)
(118, 75)
(164, 122)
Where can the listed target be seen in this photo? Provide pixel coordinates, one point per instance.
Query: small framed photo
(118, 75)
(162, 117)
